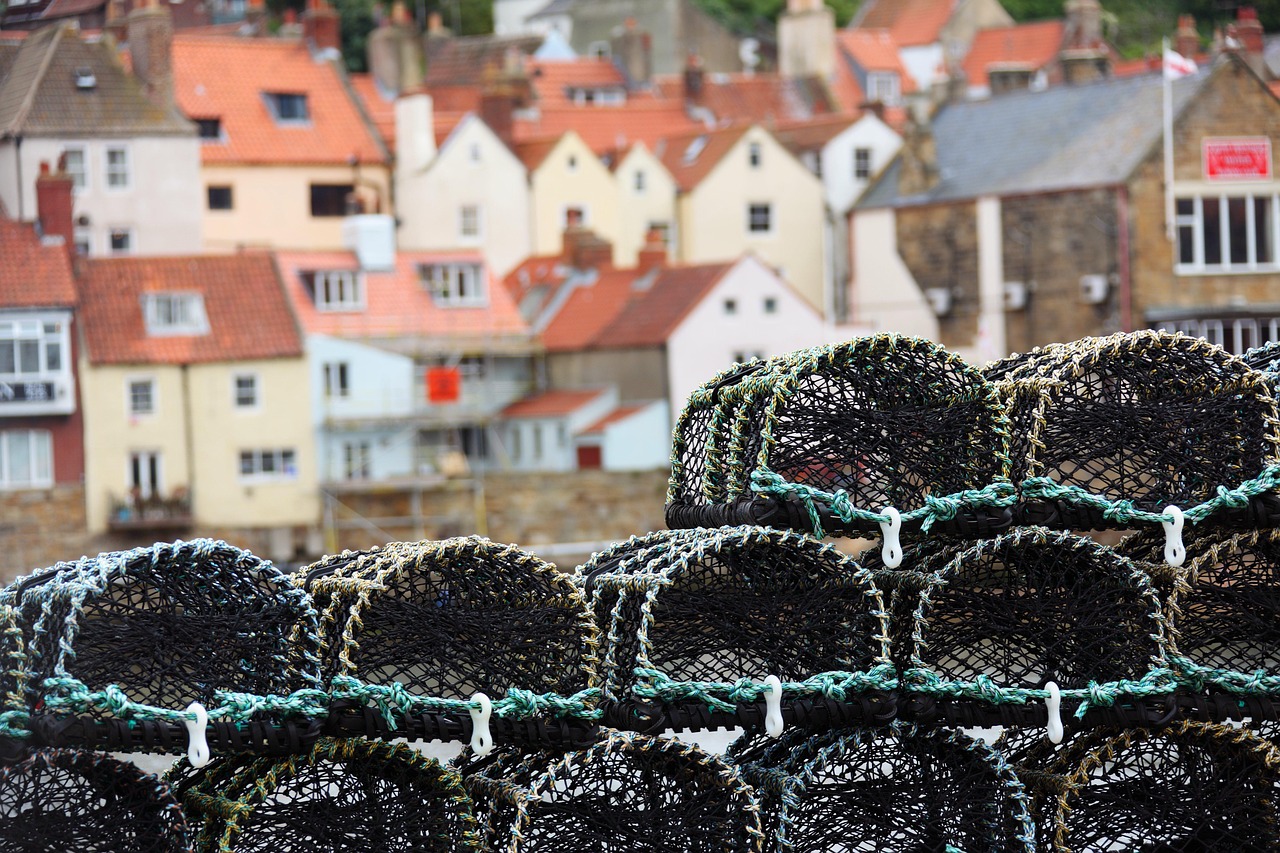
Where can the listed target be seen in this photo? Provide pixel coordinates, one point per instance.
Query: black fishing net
(889, 788)
(342, 795)
(628, 793)
(64, 800)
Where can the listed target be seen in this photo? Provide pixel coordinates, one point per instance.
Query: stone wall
(939, 245)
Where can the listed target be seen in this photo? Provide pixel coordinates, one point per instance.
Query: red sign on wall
(444, 384)
(1243, 159)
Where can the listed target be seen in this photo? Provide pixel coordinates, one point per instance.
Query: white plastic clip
(773, 706)
(481, 739)
(1053, 704)
(1174, 551)
(891, 550)
(197, 736)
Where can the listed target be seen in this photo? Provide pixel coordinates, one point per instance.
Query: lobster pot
(886, 788)
(821, 440)
(1110, 431)
(1191, 786)
(688, 615)
(65, 800)
(341, 795)
(996, 621)
(168, 625)
(1225, 609)
(13, 682)
(628, 793)
(1265, 358)
(414, 629)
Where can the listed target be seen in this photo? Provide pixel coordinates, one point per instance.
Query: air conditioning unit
(1093, 289)
(939, 300)
(1015, 295)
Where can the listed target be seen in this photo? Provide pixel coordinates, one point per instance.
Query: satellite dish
(749, 53)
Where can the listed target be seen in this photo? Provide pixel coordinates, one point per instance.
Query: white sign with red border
(1237, 159)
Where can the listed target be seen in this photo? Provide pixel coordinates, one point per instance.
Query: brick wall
(939, 245)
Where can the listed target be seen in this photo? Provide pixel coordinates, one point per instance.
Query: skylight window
(288, 107)
(695, 148)
(169, 314)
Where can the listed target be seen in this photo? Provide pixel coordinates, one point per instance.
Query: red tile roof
(378, 105)
(248, 314)
(1025, 46)
(812, 135)
(874, 50)
(396, 302)
(588, 310)
(619, 414)
(553, 79)
(32, 275)
(609, 128)
(652, 315)
(911, 22)
(759, 98)
(533, 151)
(226, 78)
(689, 165)
(550, 404)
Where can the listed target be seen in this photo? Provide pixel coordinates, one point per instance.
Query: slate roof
(39, 95)
(32, 275)
(1065, 137)
(248, 314)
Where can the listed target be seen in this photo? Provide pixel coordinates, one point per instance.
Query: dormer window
(287, 107)
(457, 285)
(335, 290)
(884, 87)
(175, 314)
(210, 129)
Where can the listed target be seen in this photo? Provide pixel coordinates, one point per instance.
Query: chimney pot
(654, 253)
(321, 26)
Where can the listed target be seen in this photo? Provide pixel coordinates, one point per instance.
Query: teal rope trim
(1200, 678)
(1124, 512)
(517, 704)
(1157, 682)
(725, 696)
(14, 724)
(766, 482)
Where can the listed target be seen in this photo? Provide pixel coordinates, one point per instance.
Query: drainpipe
(17, 160)
(1123, 259)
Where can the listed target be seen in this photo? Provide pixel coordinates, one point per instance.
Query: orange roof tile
(759, 98)
(550, 404)
(588, 310)
(32, 275)
(552, 80)
(248, 314)
(533, 151)
(226, 78)
(379, 105)
(1028, 46)
(815, 133)
(689, 161)
(912, 23)
(874, 50)
(609, 128)
(650, 318)
(396, 302)
(619, 414)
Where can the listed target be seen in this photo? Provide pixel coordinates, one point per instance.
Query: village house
(66, 97)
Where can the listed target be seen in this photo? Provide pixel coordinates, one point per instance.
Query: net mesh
(13, 677)
(890, 788)
(628, 793)
(342, 795)
(64, 800)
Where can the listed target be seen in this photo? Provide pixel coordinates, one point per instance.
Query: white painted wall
(839, 176)
(509, 15)
(990, 343)
(884, 295)
(163, 203)
(472, 167)
(558, 449)
(924, 64)
(641, 442)
(637, 208)
(706, 341)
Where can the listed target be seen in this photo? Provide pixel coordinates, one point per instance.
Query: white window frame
(1195, 221)
(759, 232)
(357, 450)
(884, 86)
(861, 170)
(456, 285)
(755, 155)
(82, 236)
(129, 233)
(39, 459)
(346, 285)
(255, 385)
(156, 489)
(272, 100)
(278, 457)
(770, 305)
(639, 182)
(336, 376)
(108, 172)
(33, 328)
(196, 321)
(153, 395)
(476, 232)
(83, 173)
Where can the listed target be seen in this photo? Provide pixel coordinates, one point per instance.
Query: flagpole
(1168, 141)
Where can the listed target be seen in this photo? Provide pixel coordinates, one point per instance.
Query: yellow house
(740, 192)
(568, 185)
(646, 202)
(195, 393)
(284, 146)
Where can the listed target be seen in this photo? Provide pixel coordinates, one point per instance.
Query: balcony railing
(151, 513)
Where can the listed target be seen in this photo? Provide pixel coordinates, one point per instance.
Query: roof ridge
(29, 100)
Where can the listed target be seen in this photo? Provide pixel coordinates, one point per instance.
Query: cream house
(646, 202)
(471, 193)
(741, 192)
(568, 185)
(194, 378)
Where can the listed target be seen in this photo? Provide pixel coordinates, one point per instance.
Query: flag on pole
(1176, 65)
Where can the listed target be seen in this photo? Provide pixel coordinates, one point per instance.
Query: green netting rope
(1157, 682)
(723, 696)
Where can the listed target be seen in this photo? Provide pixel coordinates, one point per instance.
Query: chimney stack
(1084, 56)
(149, 30)
(1249, 33)
(807, 40)
(694, 78)
(321, 27)
(654, 253)
(505, 90)
(55, 203)
(633, 52)
(583, 248)
(394, 53)
(1187, 39)
(435, 26)
(919, 171)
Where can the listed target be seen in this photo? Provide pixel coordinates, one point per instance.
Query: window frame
(282, 458)
(82, 173)
(129, 234)
(1190, 231)
(34, 330)
(350, 448)
(109, 172)
(230, 196)
(255, 386)
(195, 324)
(274, 101)
(40, 463)
(755, 154)
(339, 371)
(328, 192)
(203, 123)
(446, 283)
(476, 233)
(861, 169)
(346, 280)
(752, 230)
(130, 398)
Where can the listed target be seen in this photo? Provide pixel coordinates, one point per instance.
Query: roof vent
(85, 78)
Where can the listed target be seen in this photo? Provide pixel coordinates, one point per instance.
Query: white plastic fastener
(1174, 551)
(1053, 704)
(773, 706)
(891, 550)
(197, 736)
(481, 739)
